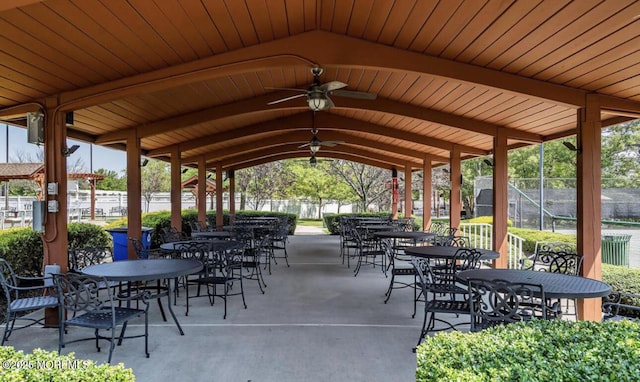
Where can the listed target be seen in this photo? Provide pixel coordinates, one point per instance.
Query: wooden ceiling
(199, 73)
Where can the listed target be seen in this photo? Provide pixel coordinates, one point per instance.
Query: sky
(98, 157)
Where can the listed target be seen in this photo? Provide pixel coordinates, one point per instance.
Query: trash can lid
(124, 229)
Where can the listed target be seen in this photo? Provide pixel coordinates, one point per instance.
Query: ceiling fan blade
(286, 99)
(331, 143)
(329, 104)
(305, 145)
(332, 85)
(354, 94)
(291, 89)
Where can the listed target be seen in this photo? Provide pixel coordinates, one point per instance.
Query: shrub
(84, 235)
(531, 236)
(42, 365)
(485, 220)
(22, 247)
(534, 351)
(626, 280)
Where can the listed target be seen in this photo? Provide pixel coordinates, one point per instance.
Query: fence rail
(481, 236)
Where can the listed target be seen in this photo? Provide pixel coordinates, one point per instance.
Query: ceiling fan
(318, 94)
(315, 143)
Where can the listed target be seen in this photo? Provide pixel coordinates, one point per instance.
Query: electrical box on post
(52, 188)
(38, 215)
(52, 206)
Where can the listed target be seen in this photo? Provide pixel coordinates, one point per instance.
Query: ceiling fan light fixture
(313, 162)
(317, 101)
(314, 145)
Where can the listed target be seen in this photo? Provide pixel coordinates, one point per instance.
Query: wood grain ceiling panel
(589, 44)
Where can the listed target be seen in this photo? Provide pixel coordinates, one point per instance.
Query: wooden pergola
(193, 185)
(35, 172)
(193, 83)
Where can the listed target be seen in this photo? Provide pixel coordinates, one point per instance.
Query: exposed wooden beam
(393, 107)
(309, 49)
(236, 160)
(300, 137)
(327, 121)
(290, 155)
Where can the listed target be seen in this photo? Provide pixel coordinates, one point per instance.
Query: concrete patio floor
(316, 322)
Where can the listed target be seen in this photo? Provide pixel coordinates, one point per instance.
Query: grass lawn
(309, 222)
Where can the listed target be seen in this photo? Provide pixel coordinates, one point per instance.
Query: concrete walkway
(316, 322)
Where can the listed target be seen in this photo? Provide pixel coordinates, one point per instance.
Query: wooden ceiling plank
(108, 36)
(184, 28)
(263, 26)
(398, 15)
(462, 16)
(574, 36)
(311, 21)
(201, 20)
(295, 16)
(223, 22)
(466, 37)
(242, 21)
(434, 24)
(604, 78)
(279, 19)
(545, 30)
(520, 30)
(498, 25)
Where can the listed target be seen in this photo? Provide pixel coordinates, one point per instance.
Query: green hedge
(22, 247)
(47, 366)
(555, 350)
(162, 219)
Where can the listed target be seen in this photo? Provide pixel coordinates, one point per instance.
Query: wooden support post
(176, 189)
(427, 174)
(54, 238)
(201, 197)
(219, 193)
(589, 203)
(394, 194)
(500, 198)
(455, 201)
(134, 192)
(232, 196)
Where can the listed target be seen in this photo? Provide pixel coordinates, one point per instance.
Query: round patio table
(146, 270)
(555, 285)
(446, 252)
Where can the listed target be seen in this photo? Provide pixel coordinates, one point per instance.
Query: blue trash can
(121, 241)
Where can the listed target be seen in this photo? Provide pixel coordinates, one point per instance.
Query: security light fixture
(185, 170)
(144, 162)
(488, 162)
(570, 146)
(67, 151)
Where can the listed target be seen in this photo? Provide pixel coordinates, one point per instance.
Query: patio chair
(169, 234)
(82, 304)
(499, 302)
(369, 251)
(279, 240)
(80, 258)
(441, 297)
(157, 288)
(619, 305)
(24, 295)
(221, 272)
(557, 261)
(403, 275)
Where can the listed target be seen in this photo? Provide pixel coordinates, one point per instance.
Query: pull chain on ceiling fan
(315, 143)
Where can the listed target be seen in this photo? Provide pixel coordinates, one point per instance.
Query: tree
(263, 182)
(316, 183)
(111, 181)
(155, 178)
(367, 182)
